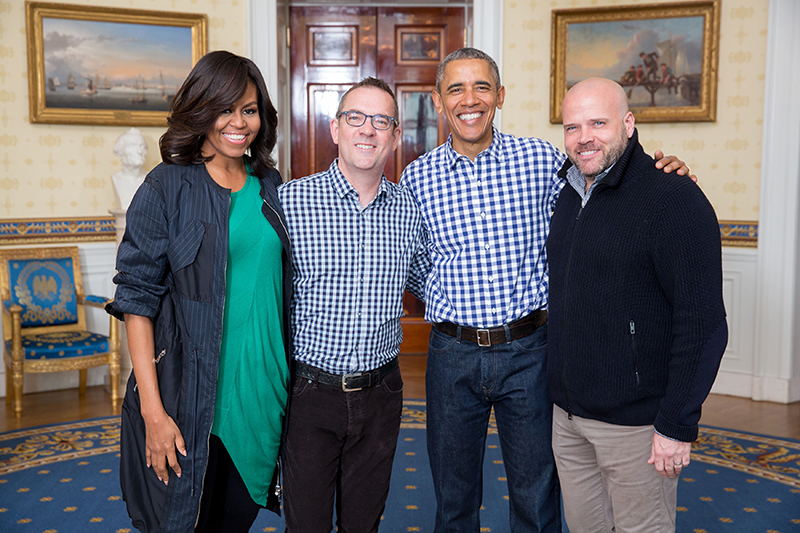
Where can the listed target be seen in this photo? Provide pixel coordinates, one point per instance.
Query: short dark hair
(215, 83)
(467, 53)
(376, 83)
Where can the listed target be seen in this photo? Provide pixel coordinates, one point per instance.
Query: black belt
(487, 337)
(348, 382)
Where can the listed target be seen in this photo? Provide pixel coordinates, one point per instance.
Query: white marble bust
(131, 150)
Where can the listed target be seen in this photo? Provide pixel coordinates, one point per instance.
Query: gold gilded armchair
(44, 323)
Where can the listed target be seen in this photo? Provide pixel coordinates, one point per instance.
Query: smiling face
(363, 150)
(597, 125)
(469, 96)
(235, 128)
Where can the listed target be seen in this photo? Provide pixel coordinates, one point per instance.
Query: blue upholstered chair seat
(62, 345)
(44, 320)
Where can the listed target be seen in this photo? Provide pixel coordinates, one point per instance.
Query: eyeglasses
(357, 118)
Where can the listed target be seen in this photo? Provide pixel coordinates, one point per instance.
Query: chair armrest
(96, 301)
(10, 307)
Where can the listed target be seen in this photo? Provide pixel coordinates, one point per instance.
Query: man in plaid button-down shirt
(357, 243)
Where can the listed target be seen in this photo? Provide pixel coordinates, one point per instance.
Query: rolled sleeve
(142, 256)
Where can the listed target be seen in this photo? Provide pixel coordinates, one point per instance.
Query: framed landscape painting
(665, 56)
(108, 66)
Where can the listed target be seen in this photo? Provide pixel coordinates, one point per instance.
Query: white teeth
(588, 152)
(234, 137)
(364, 146)
(469, 116)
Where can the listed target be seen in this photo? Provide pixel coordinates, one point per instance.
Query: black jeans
(339, 449)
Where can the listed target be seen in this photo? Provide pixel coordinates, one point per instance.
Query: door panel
(411, 44)
(323, 101)
(331, 49)
(335, 47)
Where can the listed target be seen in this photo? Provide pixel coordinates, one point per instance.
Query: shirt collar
(495, 149)
(344, 188)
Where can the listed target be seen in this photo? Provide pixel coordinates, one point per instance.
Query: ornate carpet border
(31, 448)
(766, 457)
(770, 458)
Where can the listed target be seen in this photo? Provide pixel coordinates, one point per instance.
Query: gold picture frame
(672, 50)
(92, 65)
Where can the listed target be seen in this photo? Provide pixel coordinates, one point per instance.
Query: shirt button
(491, 278)
(483, 215)
(494, 311)
(487, 246)
(359, 314)
(362, 280)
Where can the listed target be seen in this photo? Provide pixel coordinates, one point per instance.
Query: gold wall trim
(741, 233)
(56, 230)
(62, 230)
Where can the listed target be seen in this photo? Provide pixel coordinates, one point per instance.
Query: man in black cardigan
(637, 323)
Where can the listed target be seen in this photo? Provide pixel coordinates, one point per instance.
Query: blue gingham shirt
(487, 223)
(351, 266)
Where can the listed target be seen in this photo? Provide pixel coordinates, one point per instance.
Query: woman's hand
(162, 434)
(163, 438)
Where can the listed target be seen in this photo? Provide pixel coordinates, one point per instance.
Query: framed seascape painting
(108, 66)
(665, 56)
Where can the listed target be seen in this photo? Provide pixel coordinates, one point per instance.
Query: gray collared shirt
(578, 182)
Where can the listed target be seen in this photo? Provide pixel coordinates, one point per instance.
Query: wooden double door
(333, 47)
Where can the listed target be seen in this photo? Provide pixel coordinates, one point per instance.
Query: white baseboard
(766, 389)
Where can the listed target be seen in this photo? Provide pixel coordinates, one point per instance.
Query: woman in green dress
(204, 284)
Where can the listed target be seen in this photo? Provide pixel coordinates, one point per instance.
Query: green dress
(253, 374)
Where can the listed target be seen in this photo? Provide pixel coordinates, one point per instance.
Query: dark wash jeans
(340, 445)
(463, 382)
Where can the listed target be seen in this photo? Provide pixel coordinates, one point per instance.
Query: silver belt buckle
(483, 338)
(344, 381)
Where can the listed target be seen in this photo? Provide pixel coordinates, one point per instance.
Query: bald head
(599, 92)
(597, 125)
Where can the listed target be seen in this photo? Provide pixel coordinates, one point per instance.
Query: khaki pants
(606, 482)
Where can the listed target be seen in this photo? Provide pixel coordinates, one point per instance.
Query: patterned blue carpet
(64, 479)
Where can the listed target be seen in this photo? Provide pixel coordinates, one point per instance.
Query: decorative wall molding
(777, 309)
(27, 231)
(735, 377)
(739, 233)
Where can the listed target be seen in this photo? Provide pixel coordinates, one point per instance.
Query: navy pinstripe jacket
(171, 267)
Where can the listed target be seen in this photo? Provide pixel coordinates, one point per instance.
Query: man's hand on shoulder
(670, 163)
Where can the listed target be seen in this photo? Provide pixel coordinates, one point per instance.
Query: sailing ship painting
(140, 97)
(657, 61)
(113, 65)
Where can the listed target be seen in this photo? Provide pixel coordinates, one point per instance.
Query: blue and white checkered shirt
(487, 223)
(351, 265)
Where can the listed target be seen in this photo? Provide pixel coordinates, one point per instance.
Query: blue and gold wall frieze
(56, 230)
(49, 230)
(742, 234)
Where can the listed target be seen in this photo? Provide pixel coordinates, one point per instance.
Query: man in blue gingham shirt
(352, 265)
(358, 242)
(486, 198)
